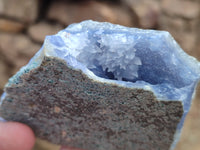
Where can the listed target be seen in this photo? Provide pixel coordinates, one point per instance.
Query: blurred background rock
(25, 23)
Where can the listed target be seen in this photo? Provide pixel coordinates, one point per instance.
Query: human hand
(16, 136)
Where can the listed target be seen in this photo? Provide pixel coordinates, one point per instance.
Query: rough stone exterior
(28, 17)
(64, 106)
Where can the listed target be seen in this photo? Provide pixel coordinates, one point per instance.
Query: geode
(100, 86)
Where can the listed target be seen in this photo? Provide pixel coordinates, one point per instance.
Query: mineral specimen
(100, 86)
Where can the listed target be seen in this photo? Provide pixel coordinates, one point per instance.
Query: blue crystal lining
(165, 68)
(164, 63)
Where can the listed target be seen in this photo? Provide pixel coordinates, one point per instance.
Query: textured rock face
(181, 19)
(3, 71)
(23, 10)
(147, 11)
(91, 10)
(17, 53)
(68, 108)
(44, 29)
(95, 85)
(7, 25)
(186, 9)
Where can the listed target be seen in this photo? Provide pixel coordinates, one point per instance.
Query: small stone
(105, 83)
(173, 24)
(22, 10)
(17, 49)
(38, 31)
(182, 30)
(148, 12)
(191, 39)
(69, 12)
(7, 25)
(3, 74)
(182, 8)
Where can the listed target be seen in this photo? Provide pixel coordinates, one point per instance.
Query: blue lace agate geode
(137, 62)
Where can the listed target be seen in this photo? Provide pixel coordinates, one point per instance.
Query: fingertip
(16, 136)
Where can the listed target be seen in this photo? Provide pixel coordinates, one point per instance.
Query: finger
(16, 136)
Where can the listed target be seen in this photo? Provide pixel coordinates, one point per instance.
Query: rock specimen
(101, 86)
(7, 25)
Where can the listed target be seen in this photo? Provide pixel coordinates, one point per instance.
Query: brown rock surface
(68, 13)
(22, 10)
(3, 74)
(182, 19)
(92, 115)
(38, 31)
(182, 8)
(8, 25)
(17, 49)
(191, 130)
(182, 31)
(147, 11)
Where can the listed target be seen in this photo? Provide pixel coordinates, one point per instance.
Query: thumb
(16, 136)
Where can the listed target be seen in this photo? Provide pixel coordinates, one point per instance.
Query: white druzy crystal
(107, 51)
